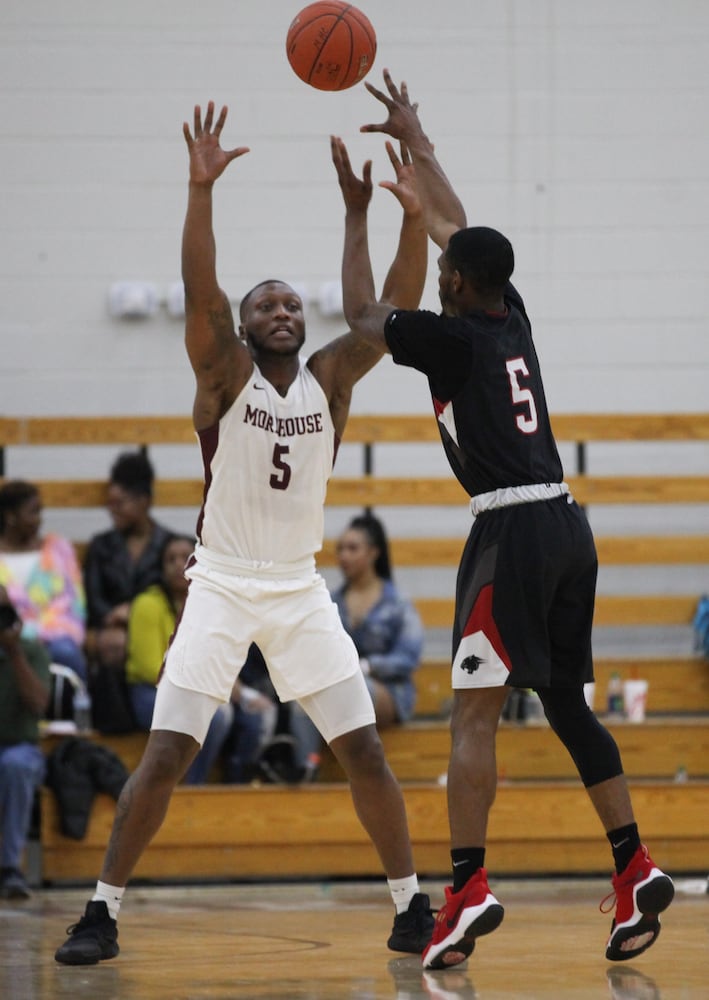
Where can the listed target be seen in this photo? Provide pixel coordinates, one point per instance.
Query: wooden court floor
(321, 941)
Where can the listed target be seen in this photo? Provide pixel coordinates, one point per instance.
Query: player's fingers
(393, 158)
(367, 174)
(239, 151)
(405, 154)
(338, 152)
(197, 120)
(380, 95)
(391, 86)
(208, 118)
(187, 134)
(220, 120)
(344, 157)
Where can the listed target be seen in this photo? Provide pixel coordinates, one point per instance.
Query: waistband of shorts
(508, 496)
(233, 566)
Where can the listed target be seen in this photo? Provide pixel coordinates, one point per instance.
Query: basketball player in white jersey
(269, 424)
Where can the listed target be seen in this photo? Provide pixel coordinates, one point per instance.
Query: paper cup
(635, 700)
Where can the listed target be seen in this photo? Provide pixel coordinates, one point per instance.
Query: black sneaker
(92, 940)
(413, 929)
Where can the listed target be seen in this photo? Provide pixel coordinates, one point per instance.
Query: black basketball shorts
(524, 598)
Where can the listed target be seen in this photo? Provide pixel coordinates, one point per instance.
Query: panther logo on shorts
(471, 663)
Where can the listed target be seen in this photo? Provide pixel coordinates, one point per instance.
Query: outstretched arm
(404, 283)
(362, 311)
(345, 360)
(443, 211)
(218, 359)
(405, 279)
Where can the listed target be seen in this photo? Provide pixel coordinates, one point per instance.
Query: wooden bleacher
(540, 827)
(675, 684)
(380, 491)
(542, 820)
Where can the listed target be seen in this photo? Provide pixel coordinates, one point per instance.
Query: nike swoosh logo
(620, 844)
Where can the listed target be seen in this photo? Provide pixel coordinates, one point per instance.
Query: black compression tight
(592, 748)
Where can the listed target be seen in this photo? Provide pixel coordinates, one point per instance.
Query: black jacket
(76, 770)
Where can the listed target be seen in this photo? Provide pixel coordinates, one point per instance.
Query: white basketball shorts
(293, 621)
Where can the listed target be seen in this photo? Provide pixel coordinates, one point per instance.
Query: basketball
(331, 45)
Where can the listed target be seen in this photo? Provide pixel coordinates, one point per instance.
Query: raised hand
(403, 122)
(356, 193)
(207, 158)
(404, 187)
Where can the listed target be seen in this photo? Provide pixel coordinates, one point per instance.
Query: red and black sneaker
(640, 893)
(466, 915)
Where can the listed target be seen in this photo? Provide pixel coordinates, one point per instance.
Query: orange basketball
(331, 45)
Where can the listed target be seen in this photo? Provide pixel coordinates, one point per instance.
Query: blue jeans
(142, 699)
(242, 746)
(22, 768)
(65, 651)
(219, 729)
(308, 741)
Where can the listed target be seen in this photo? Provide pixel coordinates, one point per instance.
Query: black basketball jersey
(487, 392)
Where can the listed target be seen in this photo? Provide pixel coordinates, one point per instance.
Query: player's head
(175, 552)
(474, 268)
(130, 489)
(20, 508)
(271, 319)
(364, 544)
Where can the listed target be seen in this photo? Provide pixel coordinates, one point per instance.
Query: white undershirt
(21, 565)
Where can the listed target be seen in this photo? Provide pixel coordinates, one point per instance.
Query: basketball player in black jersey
(526, 582)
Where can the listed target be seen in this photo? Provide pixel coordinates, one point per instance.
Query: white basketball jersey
(266, 467)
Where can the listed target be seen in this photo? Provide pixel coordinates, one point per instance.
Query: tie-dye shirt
(51, 601)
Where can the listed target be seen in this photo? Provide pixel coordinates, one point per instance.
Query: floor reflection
(327, 942)
(412, 982)
(627, 983)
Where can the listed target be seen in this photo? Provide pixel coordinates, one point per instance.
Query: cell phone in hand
(8, 617)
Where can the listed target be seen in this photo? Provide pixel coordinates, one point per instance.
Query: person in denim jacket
(384, 626)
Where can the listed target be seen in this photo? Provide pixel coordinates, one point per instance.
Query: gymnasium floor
(322, 941)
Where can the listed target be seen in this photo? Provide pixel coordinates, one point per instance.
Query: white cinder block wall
(577, 128)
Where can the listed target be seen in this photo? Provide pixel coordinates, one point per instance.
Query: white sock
(111, 895)
(402, 890)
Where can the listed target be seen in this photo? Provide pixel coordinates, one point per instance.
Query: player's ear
(242, 332)
(457, 282)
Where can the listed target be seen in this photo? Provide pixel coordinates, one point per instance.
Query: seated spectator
(253, 695)
(24, 696)
(42, 577)
(119, 564)
(234, 738)
(151, 623)
(384, 625)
